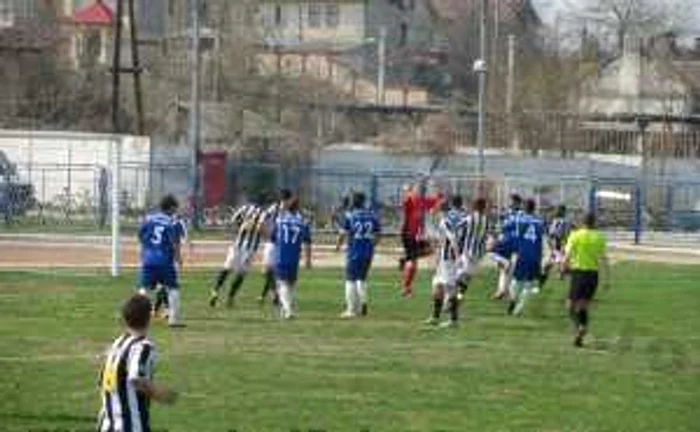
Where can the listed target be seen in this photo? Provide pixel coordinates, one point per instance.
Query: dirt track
(73, 252)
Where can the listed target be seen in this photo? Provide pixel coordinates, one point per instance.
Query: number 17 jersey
(289, 234)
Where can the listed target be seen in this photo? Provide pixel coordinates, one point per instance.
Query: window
(404, 34)
(314, 15)
(279, 18)
(332, 15)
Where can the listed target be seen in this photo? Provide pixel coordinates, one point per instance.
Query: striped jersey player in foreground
(126, 382)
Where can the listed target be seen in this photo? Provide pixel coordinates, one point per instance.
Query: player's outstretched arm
(155, 392)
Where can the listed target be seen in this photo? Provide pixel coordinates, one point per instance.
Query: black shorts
(583, 285)
(411, 247)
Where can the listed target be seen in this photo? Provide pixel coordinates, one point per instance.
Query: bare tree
(617, 19)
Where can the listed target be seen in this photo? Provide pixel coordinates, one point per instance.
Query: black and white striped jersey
(558, 232)
(476, 229)
(249, 220)
(450, 229)
(123, 407)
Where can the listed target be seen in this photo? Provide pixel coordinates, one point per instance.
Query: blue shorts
(152, 275)
(527, 271)
(356, 269)
(287, 274)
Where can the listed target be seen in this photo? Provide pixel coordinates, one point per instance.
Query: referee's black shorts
(584, 284)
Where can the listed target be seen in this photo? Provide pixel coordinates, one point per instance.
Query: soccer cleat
(213, 298)
(449, 324)
(431, 321)
(347, 315)
(536, 290)
(365, 309)
(578, 341)
(511, 308)
(460, 296)
(407, 293)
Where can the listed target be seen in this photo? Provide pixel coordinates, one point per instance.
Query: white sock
(285, 297)
(361, 287)
(350, 297)
(503, 282)
(513, 290)
(174, 306)
(520, 305)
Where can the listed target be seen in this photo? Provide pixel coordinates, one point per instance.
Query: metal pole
(195, 110)
(116, 183)
(381, 66)
(482, 93)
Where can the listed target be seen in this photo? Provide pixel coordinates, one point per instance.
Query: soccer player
(362, 229)
(289, 234)
(181, 236)
(528, 259)
(272, 213)
(585, 255)
(248, 220)
(160, 251)
(445, 291)
(557, 234)
(414, 208)
(509, 231)
(474, 235)
(126, 379)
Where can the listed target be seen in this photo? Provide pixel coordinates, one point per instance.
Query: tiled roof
(509, 10)
(95, 14)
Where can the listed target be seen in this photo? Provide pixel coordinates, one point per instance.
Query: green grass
(244, 370)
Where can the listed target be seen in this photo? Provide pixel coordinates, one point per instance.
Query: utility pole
(381, 65)
(136, 68)
(195, 114)
(510, 93)
(480, 68)
(116, 65)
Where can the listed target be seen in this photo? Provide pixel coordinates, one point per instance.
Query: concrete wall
(57, 163)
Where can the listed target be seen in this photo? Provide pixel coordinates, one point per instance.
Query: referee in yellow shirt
(586, 256)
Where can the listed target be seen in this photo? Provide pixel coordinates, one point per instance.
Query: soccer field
(244, 370)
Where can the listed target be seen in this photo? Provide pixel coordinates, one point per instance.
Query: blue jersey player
(290, 233)
(528, 259)
(509, 231)
(362, 228)
(160, 251)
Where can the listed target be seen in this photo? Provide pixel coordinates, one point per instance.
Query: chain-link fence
(75, 198)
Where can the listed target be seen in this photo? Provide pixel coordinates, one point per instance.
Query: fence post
(638, 205)
(374, 191)
(592, 199)
(116, 198)
(669, 208)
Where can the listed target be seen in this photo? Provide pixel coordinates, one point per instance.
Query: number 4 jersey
(529, 248)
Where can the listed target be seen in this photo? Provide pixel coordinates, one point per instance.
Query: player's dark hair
(589, 220)
(516, 201)
(530, 206)
(561, 211)
(285, 194)
(479, 205)
(457, 201)
(358, 200)
(169, 204)
(136, 312)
